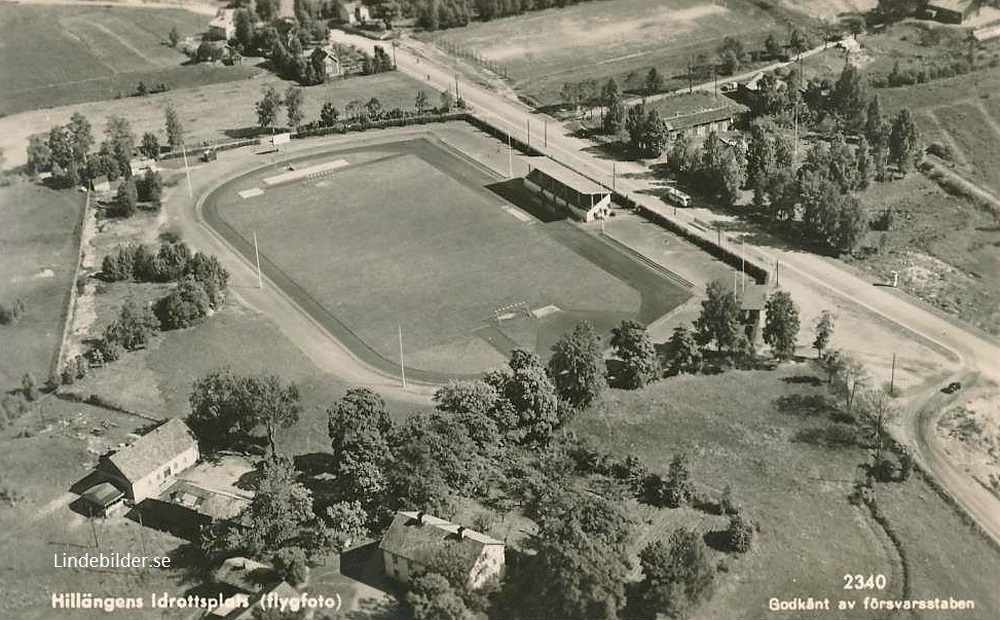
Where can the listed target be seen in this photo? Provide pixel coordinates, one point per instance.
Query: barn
(583, 198)
(697, 114)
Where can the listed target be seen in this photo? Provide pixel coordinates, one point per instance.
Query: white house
(354, 13)
(415, 539)
(146, 467)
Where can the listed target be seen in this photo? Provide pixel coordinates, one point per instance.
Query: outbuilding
(147, 466)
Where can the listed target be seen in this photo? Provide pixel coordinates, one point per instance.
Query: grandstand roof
(567, 177)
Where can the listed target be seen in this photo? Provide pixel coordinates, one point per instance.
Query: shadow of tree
(804, 404)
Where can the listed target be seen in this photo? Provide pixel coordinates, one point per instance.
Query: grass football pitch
(409, 236)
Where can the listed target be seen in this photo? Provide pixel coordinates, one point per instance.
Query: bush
(184, 306)
(943, 151)
(739, 535)
(11, 314)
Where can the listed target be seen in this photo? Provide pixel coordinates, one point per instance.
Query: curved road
(973, 354)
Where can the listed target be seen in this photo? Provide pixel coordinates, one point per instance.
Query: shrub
(943, 151)
(28, 386)
(184, 306)
(739, 535)
(11, 314)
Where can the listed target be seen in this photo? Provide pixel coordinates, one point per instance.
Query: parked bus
(678, 197)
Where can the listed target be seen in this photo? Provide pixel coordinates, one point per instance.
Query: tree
(225, 405)
(350, 523)
(175, 132)
(432, 597)
(268, 106)
(60, 147)
(447, 101)
(121, 143)
(850, 97)
(329, 114)
(653, 83)
(186, 304)
(582, 559)
(823, 331)
(133, 328)
(531, 405)
(781, 327)
(243, 23)
(798, 42)
(739, 534)
(772, 48)
(719, 320)
(82, 136)
(292, 564)
(267, 10)
(213, 277)
(848, 378)
(877, 411)
(864, 164)
(359, 429)
(577, 366)
(39, 153)
(422, 102)
(875, 126)
(731, 55)
(293, 106)
(127, 198)
(683, 355)
(149, 188)
(634, 348)
(174, 37)
(904, 141)
(29, 387)
(677, 575)
(678, 487)
(655, 135)
(150, 146)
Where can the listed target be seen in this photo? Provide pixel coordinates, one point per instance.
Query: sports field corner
(463, 275)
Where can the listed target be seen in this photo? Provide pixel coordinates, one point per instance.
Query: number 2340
(865, 582)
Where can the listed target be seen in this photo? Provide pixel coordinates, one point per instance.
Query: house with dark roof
(698, 113)
(148, 465)
(416, 539)
(583, 198)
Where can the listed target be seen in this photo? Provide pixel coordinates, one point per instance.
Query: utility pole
(743, 266)
(456, 89)
(187, 170)
(777, 265)
(402, 366)
(614, 176)
(528, 124)
(545, 131)
(510, 158)
(256, 253)
(892, 376)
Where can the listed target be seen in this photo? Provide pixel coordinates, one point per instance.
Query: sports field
(408, 235)
(595, 40)
(57, 55)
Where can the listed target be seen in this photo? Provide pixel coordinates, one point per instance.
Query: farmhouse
(143, 468)
(583, 198)
(353, 13)
(223, 27)
(415, 539)
(698, 113)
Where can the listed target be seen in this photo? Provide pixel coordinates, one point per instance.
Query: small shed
(104, 499)
(100, 184)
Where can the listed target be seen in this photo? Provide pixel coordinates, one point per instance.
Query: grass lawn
(91, 53)
(38, 249)
(753, 431)
(946, 556)
(542, 50)
(943, 247)
(432, 251)
(978, 138)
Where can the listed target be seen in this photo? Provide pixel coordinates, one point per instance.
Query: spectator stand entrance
(583, 198)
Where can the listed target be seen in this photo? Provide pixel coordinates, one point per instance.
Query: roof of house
(153, 449)
(688, 110)
(567, 177)
(421, 537)
(103, 494)
(208, 502)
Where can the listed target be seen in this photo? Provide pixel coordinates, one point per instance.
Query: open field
(94, 53)
(943, 247)
(440, 287)
(762, 432)
(543, 50)
(977, 136)
(216, 112)
(38, 249)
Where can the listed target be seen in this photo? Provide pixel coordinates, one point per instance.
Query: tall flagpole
(187, 170)
(256, 253)
(402, 366)
(510, 158)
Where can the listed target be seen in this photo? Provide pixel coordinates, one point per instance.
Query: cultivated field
(38, 250)
(216, 112)
(543, 50)
(68, 54)
(762, 432)
(433, 252)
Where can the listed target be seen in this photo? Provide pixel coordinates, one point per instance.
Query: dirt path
(114, 35)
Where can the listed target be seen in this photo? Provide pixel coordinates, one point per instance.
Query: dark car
(952, 387)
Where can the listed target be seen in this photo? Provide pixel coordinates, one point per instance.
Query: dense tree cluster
(132, 330)
(172, 262)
